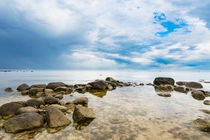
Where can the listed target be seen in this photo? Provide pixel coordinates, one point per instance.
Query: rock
(49, 92)
(198, 95)
(33, 91)
(111, 85)
(51, 100)
(205, 111)
(27, 109)
(35, 103)
(207, 93)
(23, 87)
(163, 88)
(60, 107)
(193, 85)
(25, 121)
(110, 79)
(149, 84)
(39, 86)
(59, 96)
(82, 114)
(180, 89)
(24, 92)
(98, 85)
(82, 101)
(141, 84)
(9, 109)
(8, 89)
(66, 90)
(54, 85)
(203, 125)
(164, 94)
(206, 102)
(56, 118)
(163, 81)
(181, 83)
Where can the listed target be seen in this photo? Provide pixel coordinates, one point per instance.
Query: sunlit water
(128, 113)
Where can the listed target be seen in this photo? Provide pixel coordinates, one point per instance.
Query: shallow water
(132, 113)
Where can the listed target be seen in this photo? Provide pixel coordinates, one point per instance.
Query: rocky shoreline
(46, 110)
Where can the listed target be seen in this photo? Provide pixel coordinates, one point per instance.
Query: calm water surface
(128, 113)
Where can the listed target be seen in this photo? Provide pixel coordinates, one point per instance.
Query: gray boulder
(163, 81)
(9, 109)
(22, 122)
(34, 102)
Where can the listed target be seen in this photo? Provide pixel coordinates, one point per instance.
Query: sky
(110, 34)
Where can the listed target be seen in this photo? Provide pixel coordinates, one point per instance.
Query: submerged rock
(25, 121)
(9, 89)
(9, 109)
(163, 81)
(203, 125)
(27, 109)
(34, 102)
(56, 118)
(181, 83)
(82, 101)
(180, 89)
(193, 85)
(164, 94)
(82, 114)
(205, 111)
(51, 100)
(54, 85)
(206, 102)
(23, 87)
(198, 95)
(163, 88)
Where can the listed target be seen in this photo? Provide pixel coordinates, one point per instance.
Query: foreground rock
(198, 95)
(82, 113)
(203, 125)
(25, 121)
(60, 107)
(9, 109)
(23, 87)
(56, 118)
(27, 109)
(193, 85)
(54, 85)
(35, 103)
(164, 94)
(81, 101)
(206, 102)
(163, 81)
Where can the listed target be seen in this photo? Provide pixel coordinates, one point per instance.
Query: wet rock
(141, 84)
(207, 93)
(149, 84)
(25, 92)
(51, 100)
(206, 102)
(60, 107)
(193, 85)
(9, 109)
(82, 114)
(203, 125)
(180, 89)
(82, 101)
(181, 83)
(54, 85)
(98, 93)
(66, 90)
(25, 121)
(163, 88)
(23, 87)
(198, 95)
(34, 102)
(39, 86)
(98, 85)
(110, 79)
(9, 89)
(56, 118)
(205, 111)
(111, 85)
(49, 92)
(27, 109)
(163, 81)
(59, 96)
(164, 94)
(34, 91)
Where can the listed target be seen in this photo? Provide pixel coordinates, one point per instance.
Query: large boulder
(22, 122)
(9, 109)
(198, 95)
(193, 85)
(60, 107)
(54, 85)
(27, 109)
(35, 91)
(23, 87)
(82, 113)
(98, 85)
(51, 100)
(38, 86)
(81, 101)
(34, 102)
(56, 118)
(163, 81)
(203, 125)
